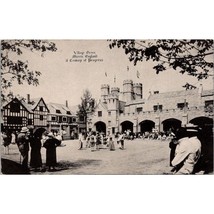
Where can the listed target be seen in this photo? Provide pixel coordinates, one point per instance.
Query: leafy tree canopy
(13, 68)
(194, 57)
(87, 104)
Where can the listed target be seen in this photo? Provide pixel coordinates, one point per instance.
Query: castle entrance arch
(146, 126)
(126, 125)
(172, 124)
(100, 127)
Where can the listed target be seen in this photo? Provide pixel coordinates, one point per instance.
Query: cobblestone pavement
(139, 157)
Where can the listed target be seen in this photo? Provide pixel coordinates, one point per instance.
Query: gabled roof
(21, 103)
(62, 108)
(35, 102)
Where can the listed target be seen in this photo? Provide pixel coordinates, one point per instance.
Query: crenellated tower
(138, 90)
(104, 92)
(128, 93)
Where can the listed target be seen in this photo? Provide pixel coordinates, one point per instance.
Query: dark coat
(35, 158)
(50, 145)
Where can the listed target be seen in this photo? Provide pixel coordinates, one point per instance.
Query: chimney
(66, 103)
(28, 98)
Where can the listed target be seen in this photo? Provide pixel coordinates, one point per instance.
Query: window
(181, 105)
(15, 107)
(156, 92)
(68, 112)
(30, 122)
(60, 119)
(157, 107)
(58, 111)
(113, 130)
(41, 117)
(64, 119)
(74, 120)
(109, 123)
(109, 113)
(99, 113)
(139, 109)
(53, 118)
(40, 108)
(14, 120)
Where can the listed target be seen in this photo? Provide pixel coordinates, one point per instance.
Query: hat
(24, 129)
(50, 134)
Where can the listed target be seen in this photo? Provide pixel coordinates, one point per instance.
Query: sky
(64, 77)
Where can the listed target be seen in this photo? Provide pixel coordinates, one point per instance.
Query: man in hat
(188, 150)
(23, 145)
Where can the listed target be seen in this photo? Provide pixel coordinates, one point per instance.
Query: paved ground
(139, 157)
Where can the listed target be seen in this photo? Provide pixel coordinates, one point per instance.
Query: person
(81, 140)
(88, 140)
(111, 144)
(23, 145)
(98, 141)
(188, 152)
(50, 144)
(13, 138)
(35, 155)
(92, 141)
(6, 140)
(121, 140)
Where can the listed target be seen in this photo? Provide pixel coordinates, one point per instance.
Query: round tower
(104, 92)
(138, 90)
(115, 90)
(128, 93)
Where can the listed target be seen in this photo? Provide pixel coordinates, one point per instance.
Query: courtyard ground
(139, 157)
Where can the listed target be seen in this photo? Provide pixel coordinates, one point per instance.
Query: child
(92, 142)
(111, 144)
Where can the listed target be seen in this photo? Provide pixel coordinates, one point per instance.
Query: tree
(13, 68)
(86, 106)
(185, 56)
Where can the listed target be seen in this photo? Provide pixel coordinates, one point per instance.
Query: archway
(100, 127)
(172, 124)
(146, 126)
(127, 125)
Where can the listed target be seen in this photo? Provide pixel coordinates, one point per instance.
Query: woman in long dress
(50, 144)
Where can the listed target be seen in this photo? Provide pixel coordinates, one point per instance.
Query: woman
(35, 155)
(50, 144)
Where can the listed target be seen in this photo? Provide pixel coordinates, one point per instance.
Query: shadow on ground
(65, 165)
(11, 167)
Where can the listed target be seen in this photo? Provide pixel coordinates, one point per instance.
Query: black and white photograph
(107, 107)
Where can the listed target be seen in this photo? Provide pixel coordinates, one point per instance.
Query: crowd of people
(96, 141)
(29, 141)
(185, 146)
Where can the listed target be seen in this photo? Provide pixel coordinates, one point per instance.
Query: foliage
(15, 69)
(185, 56)
(86, 106)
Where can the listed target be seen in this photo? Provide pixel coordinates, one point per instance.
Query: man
(23, 145)
(188, 151)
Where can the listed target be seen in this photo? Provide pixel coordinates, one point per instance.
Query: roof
(62, 108)
(207, 93)
(173, 94)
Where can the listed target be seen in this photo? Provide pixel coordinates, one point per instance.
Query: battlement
(115, 89)
(137, 85)
(105, 86)
(127, 82)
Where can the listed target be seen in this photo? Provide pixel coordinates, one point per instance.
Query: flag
(127, 68)
(138, 74)
(106, 74)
